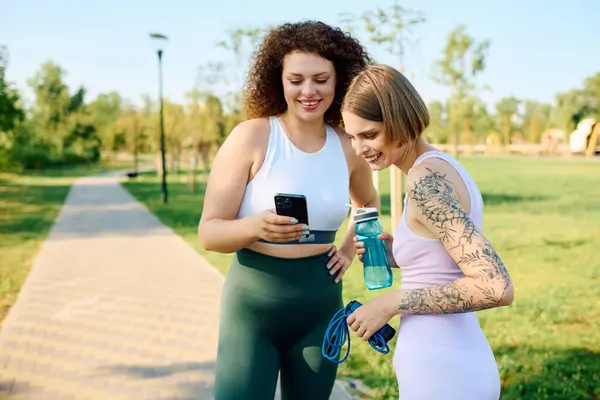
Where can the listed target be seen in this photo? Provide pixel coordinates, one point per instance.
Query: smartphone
(292, 205)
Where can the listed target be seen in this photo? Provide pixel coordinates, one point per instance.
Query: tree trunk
(506, 126)
(454, 126)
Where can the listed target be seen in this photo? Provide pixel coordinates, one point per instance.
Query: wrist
(393, 300)
(251, 228)
(348, 250)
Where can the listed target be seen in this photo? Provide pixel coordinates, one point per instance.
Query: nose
(309, 89)
(359, 146)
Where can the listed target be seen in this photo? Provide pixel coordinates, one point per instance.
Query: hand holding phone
(292, 205)
(278, 228)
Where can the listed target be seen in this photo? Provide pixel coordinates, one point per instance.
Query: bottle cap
(365, 214)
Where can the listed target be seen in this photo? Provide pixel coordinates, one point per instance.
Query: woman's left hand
(370, 317)
(338, 262)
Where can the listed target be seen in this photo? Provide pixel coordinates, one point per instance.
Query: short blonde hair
(381, 93)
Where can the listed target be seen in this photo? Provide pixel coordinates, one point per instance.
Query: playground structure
(585, 138)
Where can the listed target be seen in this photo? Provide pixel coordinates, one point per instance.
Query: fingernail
(294, 221)
(337, 280)
(331, 272)
(306, 227)
(328, 266)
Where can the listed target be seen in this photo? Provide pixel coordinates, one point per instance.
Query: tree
(437, 129)
(506, 111)
(52, 105)
(131, 127)
(572, 106)
(105, 111)
(536, 119)
(174, 115)
(462, 61)
(389, 28)
(473, 117)
(241, 43)
(11, 113)
(591, 90)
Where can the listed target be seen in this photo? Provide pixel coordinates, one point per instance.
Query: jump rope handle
(386, 331)
(337, 335)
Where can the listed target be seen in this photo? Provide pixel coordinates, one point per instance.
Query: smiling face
(384, 116)
(369, 141)
(308, 84)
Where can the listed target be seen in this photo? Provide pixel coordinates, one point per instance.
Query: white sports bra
(322, 177)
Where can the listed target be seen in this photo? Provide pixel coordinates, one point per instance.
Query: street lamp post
(160, 42)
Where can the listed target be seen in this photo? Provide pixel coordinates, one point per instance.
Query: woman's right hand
(278, 228)
(387, 241)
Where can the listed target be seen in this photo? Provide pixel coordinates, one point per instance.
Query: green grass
(543, 217)
(29, 204)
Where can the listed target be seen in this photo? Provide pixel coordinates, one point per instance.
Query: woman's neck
(297, 127)
(421, 147)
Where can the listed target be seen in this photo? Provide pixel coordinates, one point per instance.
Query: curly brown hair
(263, 93)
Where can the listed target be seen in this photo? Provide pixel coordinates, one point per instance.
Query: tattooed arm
(486, 284)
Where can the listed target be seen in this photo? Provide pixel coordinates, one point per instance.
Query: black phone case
(292, 205)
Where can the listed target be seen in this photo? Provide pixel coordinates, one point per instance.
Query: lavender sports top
(424, 261)
(441, 356)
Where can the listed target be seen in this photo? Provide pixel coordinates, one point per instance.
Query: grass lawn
(543, 217)
(29, 204)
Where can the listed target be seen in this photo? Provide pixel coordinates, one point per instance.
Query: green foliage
(11, 113)
(462, 61)
(59, 129)
(62, 127)
(389, 28)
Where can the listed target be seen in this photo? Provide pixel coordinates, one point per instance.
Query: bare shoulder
(251, 133)
(436, 174)
(435, 180)
(229, 172)
(245, 145)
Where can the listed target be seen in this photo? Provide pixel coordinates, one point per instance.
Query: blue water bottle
(377, 271)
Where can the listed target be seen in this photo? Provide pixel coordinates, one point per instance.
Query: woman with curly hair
(283, 284)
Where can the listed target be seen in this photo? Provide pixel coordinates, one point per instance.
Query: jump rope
(337, 334)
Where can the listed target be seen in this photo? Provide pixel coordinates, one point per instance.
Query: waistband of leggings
(253, 258)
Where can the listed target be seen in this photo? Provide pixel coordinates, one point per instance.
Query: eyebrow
(320, 73)
(367, 132)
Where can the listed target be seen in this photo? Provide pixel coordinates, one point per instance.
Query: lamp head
(159, 41)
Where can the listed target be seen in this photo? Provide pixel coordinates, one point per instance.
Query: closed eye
(319, 81)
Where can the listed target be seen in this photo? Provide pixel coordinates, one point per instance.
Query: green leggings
(274, 313)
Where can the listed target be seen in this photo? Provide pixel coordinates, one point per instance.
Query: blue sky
(538, 48)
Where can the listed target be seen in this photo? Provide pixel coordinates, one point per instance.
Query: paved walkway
(116, 306)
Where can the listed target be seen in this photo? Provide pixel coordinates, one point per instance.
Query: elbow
(204, 238)
(508, 295)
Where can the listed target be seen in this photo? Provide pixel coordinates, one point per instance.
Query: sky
(538, 48)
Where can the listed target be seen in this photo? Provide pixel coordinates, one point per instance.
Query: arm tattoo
(438, 203)
(488, 278)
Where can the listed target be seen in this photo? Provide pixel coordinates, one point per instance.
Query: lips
(373, 158)
(309, 104)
